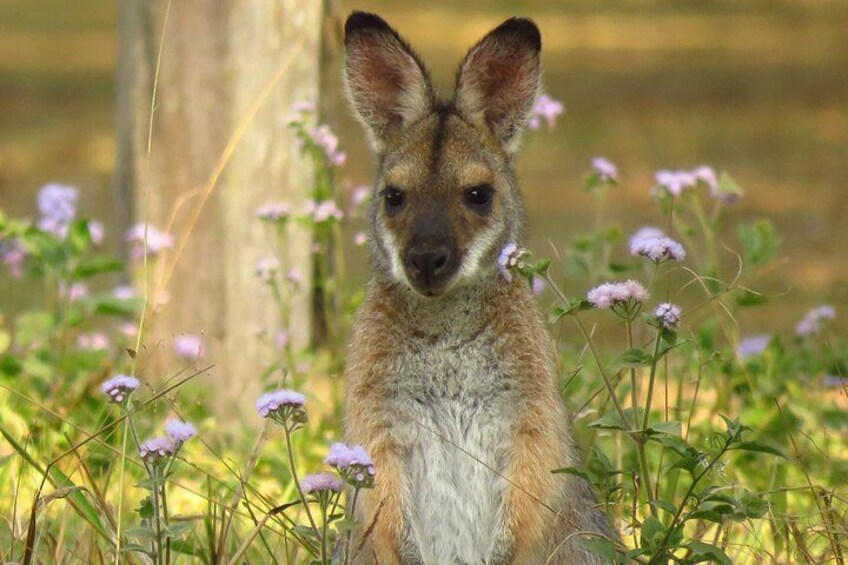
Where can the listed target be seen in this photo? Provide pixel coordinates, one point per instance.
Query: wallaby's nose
(428, 265)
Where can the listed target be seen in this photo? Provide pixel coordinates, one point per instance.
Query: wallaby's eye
(395, 199)
(479, 198)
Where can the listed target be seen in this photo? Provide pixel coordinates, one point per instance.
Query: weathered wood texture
(217, 59)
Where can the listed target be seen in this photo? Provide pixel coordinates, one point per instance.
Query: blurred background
(757, 88)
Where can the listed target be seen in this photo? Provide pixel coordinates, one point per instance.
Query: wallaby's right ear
(386, 84)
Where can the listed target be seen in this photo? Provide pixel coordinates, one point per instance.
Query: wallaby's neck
(460, 314)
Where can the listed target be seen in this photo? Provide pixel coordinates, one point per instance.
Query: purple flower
(658, 249)
(282, 405)
(323, 211)
(353, 463)
(13, 254)
(58, 206)
(360, 238)
(96, 341)
(129, 329)
(180, 431)
(342, 456)
(304, 106)
(674, 182)
(295, 277)
(539, 285)
(189, 346)
(96, 231)
(814, 321)
(646, 232)
(605, 169)
(609, 295)
(119, 387)
(273, 211)
(707, 175)
(668, 315)
(266, 268)
(752, 346)
(158, 449)
(545, 108)
(76, 292)
(318, 483)
(157, 241)
(511, 258)
(123, 292)
(323, 137)
(359, 195)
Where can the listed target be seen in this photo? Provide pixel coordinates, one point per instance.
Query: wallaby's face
(446, 199)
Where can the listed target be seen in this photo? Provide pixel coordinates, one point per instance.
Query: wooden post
(219, 64)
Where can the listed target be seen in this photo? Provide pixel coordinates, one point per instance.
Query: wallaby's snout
(431, 259)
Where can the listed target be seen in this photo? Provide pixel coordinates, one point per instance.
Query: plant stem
(634, 397)
(654, 363)
(349, 535)
(297, 481)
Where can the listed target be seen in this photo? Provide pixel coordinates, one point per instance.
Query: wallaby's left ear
(499, 79)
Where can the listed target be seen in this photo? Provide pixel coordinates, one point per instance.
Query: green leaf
(652, 533)
(575, 305)
(145, 509)
(600, 546)
(34, 326)
(707, 552)
(750, 298)
(672, 428)
(184, 547)
(633, 358)
(92, 266)
(612, 421)
(759, 241)
(570, 470)
(757, 447)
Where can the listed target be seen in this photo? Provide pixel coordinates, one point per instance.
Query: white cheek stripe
(390, 245)
(481, 246)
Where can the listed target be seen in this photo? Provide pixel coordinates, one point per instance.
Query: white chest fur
(454, 446)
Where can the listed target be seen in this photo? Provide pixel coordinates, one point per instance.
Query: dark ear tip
(361, 21)
(524, 28)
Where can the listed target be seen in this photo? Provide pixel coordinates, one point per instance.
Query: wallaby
(451, 375)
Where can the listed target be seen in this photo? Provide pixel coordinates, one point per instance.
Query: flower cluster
(95, 341)
(353, 463)
(657, 249)
(676, 182)
(814, 321)
(58, 206)
(158, 450)
(157, 240)
(179, 431)
(323, 211)
(752, 346)
(629, 294)
(267, 268)
(273, 211)
(188, 346)
(119, 387)
(324, 138)
(286, 407)
(511, 259)
(605, 170)
(13, 255)
(545, 108)
(668, 315)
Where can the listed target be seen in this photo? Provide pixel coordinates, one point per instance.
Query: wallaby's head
(446, 199)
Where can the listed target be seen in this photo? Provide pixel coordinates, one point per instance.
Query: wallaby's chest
(455, 427)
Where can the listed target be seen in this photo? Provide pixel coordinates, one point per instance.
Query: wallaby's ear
(499, 79)
(386, 84)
